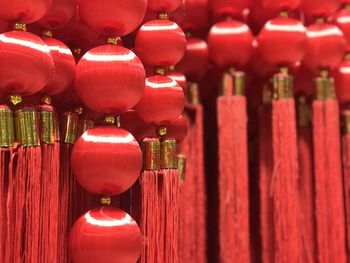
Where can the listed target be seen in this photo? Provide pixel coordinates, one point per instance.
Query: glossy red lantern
(342, 20)
(166, 6)
(342, 82)
(112, 17)
(59, 13)
(230, 44)
(160, 43)
(195, 62)
(326, 46)
(316, 8)
(280, 5)
(229, 7)
(23, 11)
(64, 67)
(282, 41)
(107, 235)
(110, 79)
(26, 63)
(178, 129)
(106, 160)
(162, 103)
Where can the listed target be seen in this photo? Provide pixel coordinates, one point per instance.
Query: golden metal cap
(181, 166)
(282, 86)
(47, 124)
(168, 155)
(27, 127)
(151, 154)
(161, 131)
(233, 83)
(70, 126)
(20, 27)
(194, 93)
(7, 131)
(106, 201)
(346, 122)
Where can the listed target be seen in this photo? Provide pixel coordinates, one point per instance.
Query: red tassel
(152, 219)
(284, 188)
(328, 179)
(346, 169)
(306, 183)
(265, 183)
(233, 179)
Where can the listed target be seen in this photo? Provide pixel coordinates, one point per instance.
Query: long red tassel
(284, 188)
(169, 187)
(233, 179)
(330, 217)
(50, 154)
(265, 180)
(151, 219)
(306, 183)
(346, 169)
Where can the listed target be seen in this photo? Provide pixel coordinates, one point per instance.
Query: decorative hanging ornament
(225, 35)
(160, 43)
(117, 82)
(59, 13)
(162, 102)
(342, 81)
(280, 34)
(283, 5)
(106, 160)
(112, 233)
(342, 20)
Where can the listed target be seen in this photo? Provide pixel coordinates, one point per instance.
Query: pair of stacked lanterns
(109, 80)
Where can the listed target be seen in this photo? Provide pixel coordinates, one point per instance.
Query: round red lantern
(180, 78)
(106, 235)
(232, 8)
(162, 103)
(26, 64)
(230, 43)
(64, 67)
(282, 41)
(326, 46)
(160, 43)
(178, 129)
(112, 18)
(280, 5)
(110, 78)
(106, 160)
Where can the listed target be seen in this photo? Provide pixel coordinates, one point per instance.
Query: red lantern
(282, 41)
(180, 79)
(230, 36)
(26, 63)
(160, 43)
(110, 79)
(105, 235)
(195, 62)
(162, 103)
(283, 5)
(106, 160)
(326, 46)
(64, 67)
(23, 11)
(112, 18)
(196, 15)
(59, 13)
